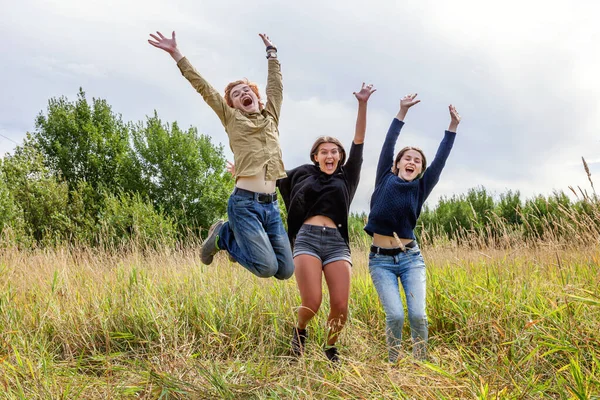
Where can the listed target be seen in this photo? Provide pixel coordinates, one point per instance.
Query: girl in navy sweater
(401, 187)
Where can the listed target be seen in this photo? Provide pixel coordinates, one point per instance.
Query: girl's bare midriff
(320, 220)
(388, 242)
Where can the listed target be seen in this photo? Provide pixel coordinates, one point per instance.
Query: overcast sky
(524, 75)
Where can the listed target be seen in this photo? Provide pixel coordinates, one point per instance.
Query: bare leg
(337, 276)
(308, 271)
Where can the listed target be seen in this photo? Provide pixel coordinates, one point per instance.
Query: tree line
(86, 177)
(482, 219)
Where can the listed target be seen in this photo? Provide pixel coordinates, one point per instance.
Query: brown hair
(253, 86)
(327, 139)
(401, 153)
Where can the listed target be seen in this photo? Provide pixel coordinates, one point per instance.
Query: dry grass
(79, 323)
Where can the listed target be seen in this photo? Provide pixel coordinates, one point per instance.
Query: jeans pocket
(242, 201)
(376, 260)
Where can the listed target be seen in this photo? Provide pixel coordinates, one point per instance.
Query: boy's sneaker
(231, 258)
(298, 340)
(332, 354)
(210, 246)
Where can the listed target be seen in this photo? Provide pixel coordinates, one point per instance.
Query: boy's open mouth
(247, 101)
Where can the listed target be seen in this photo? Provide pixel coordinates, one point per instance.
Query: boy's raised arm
(211, 96)
(274, 80)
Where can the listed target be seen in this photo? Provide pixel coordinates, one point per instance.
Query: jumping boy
(254, 235)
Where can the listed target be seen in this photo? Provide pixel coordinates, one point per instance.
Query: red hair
(253, 86)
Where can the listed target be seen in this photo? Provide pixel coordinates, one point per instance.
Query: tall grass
(86, 323)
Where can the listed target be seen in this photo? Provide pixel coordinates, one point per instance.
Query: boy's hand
(266, 40)
(365, 92)
(168, 45)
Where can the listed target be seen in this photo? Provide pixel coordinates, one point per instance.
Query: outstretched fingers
(266, 40)
(361, 88)
(409, 100)
(365, 92)
(163, 42)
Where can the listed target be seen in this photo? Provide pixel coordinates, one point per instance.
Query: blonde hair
(327, 139)
(401, 153)
(253, 86)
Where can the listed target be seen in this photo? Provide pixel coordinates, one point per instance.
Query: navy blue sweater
(395, 203)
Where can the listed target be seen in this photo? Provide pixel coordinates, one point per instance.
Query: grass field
(79, 323)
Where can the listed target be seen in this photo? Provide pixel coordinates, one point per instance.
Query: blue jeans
(409, 267)
(256, 238)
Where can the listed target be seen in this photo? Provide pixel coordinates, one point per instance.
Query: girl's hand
(231, 168)
(454, 118)
(365, 92)
(405, 104)
(266, 40)
(161, 42)
(454, 115)
(408, 101)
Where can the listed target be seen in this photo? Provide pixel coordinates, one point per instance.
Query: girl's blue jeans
(408, 268)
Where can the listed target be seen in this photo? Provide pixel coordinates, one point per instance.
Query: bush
(42, 199)
(128, 219)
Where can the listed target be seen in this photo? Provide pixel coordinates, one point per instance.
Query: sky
(524, 76)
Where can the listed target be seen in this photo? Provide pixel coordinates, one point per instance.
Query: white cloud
(524, 75)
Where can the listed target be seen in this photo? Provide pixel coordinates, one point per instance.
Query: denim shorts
(322, 242)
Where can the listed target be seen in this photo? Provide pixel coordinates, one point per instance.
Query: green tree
(454, 215)
(87, 143)
(184, 173)
(129, 218)
(509, 207)
(543, 215)
(11, 215)
(482, 206)
(42, 199)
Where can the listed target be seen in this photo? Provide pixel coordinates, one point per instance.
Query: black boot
(298, 339)
(332, 354)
